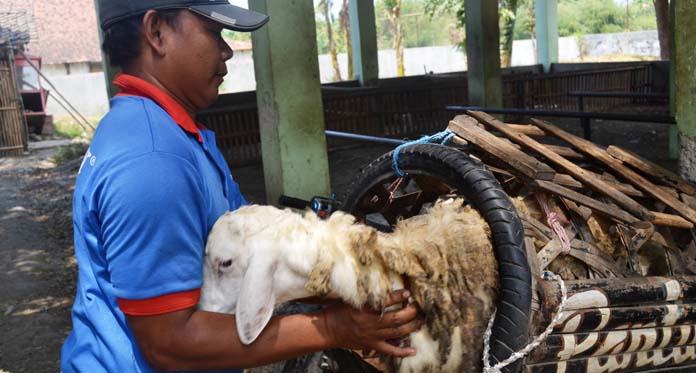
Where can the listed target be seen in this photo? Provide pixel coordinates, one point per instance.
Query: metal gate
(13, 131)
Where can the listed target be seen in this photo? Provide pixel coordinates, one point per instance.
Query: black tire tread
(482, 190)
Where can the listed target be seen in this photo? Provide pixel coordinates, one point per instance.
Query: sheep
(261, 256)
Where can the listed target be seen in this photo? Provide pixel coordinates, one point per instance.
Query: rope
(497, 368)
(555, 224)
(442, 137)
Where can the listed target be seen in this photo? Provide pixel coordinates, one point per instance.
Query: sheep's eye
(226, 263)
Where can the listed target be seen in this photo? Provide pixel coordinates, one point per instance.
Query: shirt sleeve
(236, 198)
(152, 215)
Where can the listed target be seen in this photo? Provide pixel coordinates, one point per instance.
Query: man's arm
(199, 340)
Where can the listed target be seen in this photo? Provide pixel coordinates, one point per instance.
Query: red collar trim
(133, 86)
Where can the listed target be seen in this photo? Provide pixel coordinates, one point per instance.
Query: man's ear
(256, 298)
(152, 31)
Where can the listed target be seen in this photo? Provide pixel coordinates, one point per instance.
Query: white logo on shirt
(92, 160)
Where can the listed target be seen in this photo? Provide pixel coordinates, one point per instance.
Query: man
(149, 190)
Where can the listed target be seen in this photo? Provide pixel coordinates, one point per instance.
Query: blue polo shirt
(149, 190)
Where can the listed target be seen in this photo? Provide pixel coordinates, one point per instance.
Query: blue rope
(442, 137)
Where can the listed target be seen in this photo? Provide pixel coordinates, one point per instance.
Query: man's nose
(227, 52)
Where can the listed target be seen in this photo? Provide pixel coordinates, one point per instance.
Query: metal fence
(412, 106)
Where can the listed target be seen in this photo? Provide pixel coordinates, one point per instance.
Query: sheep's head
(244, 272)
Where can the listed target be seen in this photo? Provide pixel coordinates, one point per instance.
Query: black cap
(221, 11)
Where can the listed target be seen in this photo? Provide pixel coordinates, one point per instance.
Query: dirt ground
(37, 266)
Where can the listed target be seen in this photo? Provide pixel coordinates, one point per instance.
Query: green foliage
(232, 35)
(581, 17)
(69, 152)
(421, 28)
(68, 128)
(441, 22)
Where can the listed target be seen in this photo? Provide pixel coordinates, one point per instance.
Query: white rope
(497, 368)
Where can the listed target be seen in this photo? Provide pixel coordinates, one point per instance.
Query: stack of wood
(622, 215)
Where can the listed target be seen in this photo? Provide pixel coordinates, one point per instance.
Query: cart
(616, 229)
(34, 96)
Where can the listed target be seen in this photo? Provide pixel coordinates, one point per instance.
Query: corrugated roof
(66, 29)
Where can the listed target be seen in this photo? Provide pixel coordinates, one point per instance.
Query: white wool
(428, 351)
(260, 256)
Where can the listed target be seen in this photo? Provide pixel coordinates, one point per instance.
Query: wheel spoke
(374, 200)
(404, 201)
(432, 186)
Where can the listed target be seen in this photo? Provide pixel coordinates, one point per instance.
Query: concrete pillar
(109, 71)
(546, 15)
(363, 33)
(685, 83)
(673, 130)
(483, 53)
(288, 91)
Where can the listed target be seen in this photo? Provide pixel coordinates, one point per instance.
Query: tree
(508, 14)
(663, 29)
(507, 10)
(435, 7)
(324, 6)
(530, 25)
(393, 13)
(344, 21)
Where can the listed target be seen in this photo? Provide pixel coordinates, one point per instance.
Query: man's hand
(199, 340)
(371, 330)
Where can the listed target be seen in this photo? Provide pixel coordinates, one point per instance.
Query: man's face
(195, 60)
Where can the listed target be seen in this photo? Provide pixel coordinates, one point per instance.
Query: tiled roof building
(66, 29)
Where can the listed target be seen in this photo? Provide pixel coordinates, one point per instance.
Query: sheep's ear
(256, 298)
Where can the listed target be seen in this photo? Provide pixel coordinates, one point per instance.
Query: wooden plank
(625, 318)
(567, 180)
(669, 190)
(553, 249)
(527, 129)
(622, 363)
(661, 219)
(592, 249)
(560, 150)
(651, 169)
(542, 232)
(582, 175)
(604, 208)
(669, 220)
(459, 141)
(467, 128)
(607, 343)
(12, 147)
(634, 291)
(582, 211)
(640, 182)
(626, 189)
(565, 152)
(549, 253)
(531, 256)
(689, 200)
